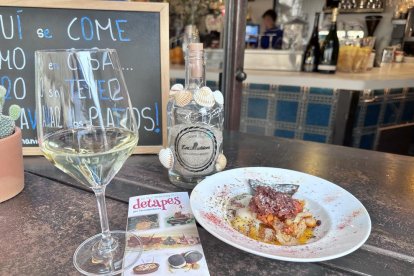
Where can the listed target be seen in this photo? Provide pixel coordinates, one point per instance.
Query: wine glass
(87, 129)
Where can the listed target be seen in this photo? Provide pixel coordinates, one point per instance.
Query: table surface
(41, 227)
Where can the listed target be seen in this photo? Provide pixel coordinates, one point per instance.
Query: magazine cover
(169, 235)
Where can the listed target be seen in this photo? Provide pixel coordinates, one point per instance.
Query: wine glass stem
(106, 242)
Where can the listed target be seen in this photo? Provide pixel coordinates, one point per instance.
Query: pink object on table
(11, 166)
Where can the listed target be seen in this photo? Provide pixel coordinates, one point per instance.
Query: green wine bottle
(330, 48)
(312, 51)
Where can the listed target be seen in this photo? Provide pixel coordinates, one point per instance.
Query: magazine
(168, 232)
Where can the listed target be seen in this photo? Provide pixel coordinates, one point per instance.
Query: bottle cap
(195, 51)
(334, 14)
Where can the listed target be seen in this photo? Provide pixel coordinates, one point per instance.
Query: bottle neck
(333, 26)
(334, 18)
(316, 24)
(195, 70)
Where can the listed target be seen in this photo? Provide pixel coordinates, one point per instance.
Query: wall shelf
(343, 11)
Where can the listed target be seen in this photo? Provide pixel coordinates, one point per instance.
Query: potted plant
(11, 157)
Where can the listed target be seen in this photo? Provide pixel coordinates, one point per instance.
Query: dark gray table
(41, 228)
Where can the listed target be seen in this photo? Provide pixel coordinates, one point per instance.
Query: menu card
(167, 229)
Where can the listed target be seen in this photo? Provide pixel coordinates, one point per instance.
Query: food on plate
(283, 188)
(146, 268)
(272, 215)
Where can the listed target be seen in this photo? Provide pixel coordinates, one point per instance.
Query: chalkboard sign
(138, 31)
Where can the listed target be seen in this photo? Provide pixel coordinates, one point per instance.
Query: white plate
(346, 224)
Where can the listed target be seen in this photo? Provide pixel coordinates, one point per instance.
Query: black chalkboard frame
(161, 8)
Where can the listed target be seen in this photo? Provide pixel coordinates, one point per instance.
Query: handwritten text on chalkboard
(135, 35)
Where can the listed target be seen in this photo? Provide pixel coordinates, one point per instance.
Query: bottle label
(325, 67)
(196, 148)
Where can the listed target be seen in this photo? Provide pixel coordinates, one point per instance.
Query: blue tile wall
(286, 111)
(391, 113)
(256, 130)
(356, 118)
(372, 115)
(314, 137)
(182, 81)
(367, 141)
(289, 89)
(321, 91)
(258, 86)
(257, 108)
(388, 108)
(308, 113)
(379, 92)
(394, 91)
(213, 85)
(408, 113)
(282, 110)
(318, 114)
(284, 133)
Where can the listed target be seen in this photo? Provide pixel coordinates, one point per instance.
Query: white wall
(257, 8)
(310, 7)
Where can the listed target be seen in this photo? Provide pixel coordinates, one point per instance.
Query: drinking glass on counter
(354, 54)
(86, 128)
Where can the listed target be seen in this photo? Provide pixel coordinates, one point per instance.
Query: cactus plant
(7, 124)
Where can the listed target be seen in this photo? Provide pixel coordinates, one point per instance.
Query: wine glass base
(90, 260)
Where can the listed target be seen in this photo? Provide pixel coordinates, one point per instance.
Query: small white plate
(345, 226)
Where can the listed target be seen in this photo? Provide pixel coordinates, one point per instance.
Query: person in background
(272, 32)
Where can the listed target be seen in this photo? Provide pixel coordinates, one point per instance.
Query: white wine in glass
(98, 155)
(86, 128)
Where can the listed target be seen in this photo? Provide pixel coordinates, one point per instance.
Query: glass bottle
(312, 51)
(195, 130)
(330, 48)
(295, 30)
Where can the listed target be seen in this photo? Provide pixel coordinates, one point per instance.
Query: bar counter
(41, 227)
(387, 77)
(343, 108)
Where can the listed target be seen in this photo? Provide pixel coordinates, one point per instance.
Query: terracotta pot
(11, 166)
